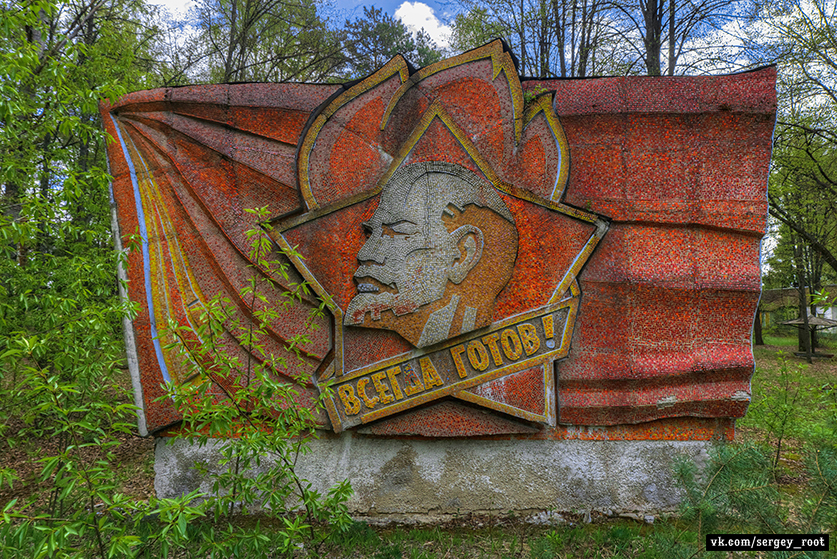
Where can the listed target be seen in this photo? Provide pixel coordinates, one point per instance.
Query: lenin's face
(426, 236)
(407, 258)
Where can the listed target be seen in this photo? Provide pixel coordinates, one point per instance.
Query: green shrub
(68, 397)
(744, 489)
(257, 416)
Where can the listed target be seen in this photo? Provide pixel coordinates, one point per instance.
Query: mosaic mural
(541, 258)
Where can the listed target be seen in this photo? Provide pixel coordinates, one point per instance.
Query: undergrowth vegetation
(63, 406)
(257, 414)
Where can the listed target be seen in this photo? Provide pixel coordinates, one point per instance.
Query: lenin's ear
(468, 241)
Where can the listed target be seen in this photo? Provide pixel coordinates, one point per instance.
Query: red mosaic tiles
(685, 186)
(673, 169)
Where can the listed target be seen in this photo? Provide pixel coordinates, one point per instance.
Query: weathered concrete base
(412, 479)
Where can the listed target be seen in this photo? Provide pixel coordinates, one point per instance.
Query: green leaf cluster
(237, 402)
(62, 399)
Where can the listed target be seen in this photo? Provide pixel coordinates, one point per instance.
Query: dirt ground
(133, 456)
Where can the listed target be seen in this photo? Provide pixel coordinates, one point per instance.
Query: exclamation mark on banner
(548, 331)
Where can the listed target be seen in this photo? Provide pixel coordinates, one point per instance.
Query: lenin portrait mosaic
(441, 245)
(440, 238)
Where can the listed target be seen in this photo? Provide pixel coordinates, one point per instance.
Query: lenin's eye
(398, 229)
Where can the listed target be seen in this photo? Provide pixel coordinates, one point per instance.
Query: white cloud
(177, 8)
(417, 15)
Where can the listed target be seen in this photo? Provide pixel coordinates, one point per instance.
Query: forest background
(60, 313)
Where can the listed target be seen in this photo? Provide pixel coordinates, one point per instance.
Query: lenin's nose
(373, 250)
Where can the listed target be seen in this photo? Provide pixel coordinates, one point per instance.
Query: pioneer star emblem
(434, 227)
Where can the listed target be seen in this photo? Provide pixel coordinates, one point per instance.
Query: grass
(826, 341)
(604, 538)
(812, 385)
(781, 341)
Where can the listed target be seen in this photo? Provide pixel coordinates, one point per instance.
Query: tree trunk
(815, 287)
(234, 38)
(757, 336)
(671, 38)
(653, 34)
(805, 331)
(812, 241)
(15, 188)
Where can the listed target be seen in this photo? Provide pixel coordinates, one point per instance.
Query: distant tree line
(282, 40)
(802, 252)
(229, 41)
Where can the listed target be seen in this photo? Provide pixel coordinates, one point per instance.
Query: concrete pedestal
(404, 480)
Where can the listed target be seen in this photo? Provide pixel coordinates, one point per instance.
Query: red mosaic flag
(500, 256)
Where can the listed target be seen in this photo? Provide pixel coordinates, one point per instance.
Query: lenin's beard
(421, 281)
(375, 303)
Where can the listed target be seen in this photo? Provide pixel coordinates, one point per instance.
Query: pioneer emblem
(433, 225)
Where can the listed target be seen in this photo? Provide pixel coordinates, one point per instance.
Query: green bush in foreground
(65, 405)
(746, 488)
(257, 415)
